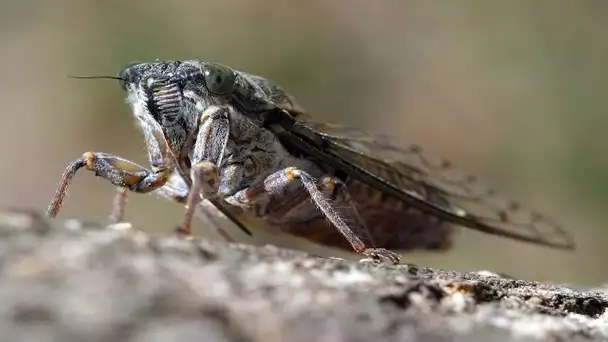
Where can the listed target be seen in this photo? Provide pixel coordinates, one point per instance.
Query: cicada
(242, 143)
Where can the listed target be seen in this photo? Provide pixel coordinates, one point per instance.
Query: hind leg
(329, 195)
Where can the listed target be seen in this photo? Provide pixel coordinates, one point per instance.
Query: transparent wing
(413, 175)
(409, 174)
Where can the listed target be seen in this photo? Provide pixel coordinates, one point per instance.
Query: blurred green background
(511, 91)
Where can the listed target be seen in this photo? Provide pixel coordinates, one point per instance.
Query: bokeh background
(512, 91)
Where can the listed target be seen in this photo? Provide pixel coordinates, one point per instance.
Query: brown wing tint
(467, 201)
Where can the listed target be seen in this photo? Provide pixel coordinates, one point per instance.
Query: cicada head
(170, 96)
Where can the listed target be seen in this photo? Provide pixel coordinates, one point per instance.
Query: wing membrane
(411, 174)
(408, 174)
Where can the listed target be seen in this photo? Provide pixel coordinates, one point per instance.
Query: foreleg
(119, 171)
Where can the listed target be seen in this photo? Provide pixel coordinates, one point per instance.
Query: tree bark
(76, 281)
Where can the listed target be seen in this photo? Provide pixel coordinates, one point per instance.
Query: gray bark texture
(75, 281)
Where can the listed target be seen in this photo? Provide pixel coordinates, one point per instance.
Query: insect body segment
(241, 143)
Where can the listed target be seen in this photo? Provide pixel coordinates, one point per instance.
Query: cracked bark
(75, 281)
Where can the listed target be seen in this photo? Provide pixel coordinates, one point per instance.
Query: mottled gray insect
(241, 142)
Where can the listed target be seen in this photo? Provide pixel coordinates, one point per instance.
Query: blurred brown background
(512, 91)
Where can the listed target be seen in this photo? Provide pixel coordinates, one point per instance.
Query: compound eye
(126, 74)
(219, 78)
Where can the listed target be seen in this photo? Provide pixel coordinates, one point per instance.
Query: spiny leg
(205, 181)
(322, 193)
(170, 190)
(118, 171)
(174, 191)
(208, 151)
(119, 204)
(339, 193)
(178, 192)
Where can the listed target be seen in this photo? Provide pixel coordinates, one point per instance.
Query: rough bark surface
(73, 281)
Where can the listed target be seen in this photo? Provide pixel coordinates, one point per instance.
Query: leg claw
(379, 254)
(183, 231)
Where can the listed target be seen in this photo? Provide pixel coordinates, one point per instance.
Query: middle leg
(174, 190)
(208, 151)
